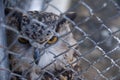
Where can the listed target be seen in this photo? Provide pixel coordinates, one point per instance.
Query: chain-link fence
(55, 46)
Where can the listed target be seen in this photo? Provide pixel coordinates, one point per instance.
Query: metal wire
(97, 49)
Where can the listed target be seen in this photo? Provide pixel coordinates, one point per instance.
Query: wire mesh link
(95, 47)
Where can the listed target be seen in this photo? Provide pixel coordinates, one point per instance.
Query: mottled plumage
(41, 42)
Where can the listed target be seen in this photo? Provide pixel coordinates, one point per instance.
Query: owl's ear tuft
(7, 11)
(71, 15)
(14, 12)
(13, 17)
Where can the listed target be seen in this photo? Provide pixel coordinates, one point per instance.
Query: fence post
(3, 56)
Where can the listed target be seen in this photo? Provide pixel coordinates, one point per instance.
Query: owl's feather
(39, 28)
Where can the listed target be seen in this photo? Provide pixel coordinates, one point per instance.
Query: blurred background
(97, 33)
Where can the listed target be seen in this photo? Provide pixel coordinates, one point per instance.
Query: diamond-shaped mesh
(96, 31)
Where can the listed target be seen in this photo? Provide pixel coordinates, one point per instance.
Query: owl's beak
(36, 55)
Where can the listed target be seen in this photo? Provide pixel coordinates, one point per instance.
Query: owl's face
(38, 27)
(42, 37)
(40, 33)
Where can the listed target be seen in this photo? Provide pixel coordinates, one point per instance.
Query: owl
(39, 42)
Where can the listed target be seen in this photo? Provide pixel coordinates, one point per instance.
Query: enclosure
(96, 44)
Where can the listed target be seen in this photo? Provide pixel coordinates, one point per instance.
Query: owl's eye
(23, 41)
(53, 40)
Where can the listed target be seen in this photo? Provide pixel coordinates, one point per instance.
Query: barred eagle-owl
(39, 41)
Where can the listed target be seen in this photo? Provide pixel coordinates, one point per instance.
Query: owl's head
(38, 28)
